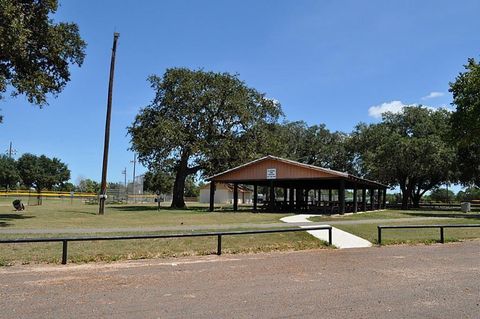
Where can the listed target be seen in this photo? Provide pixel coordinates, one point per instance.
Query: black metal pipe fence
(65, 240)
(440, 227)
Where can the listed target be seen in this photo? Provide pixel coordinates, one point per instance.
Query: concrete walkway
(340, 238)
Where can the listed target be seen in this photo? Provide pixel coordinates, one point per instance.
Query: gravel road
(435, 281)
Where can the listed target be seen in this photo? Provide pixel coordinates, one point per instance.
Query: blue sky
(325, 61)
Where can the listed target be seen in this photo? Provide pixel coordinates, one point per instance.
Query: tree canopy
(200, 122)
(158, 181)
(8, 172)
(314, 145)
(470, 193)
(35, 51)
(41, 172)
(466, 122)
(442, 195)
(408, 149)
(88, 186)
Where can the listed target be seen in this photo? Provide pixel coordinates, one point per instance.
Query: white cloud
(397, 107)
(433, 95)
(378, 110)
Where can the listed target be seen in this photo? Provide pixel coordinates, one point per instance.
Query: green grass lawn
(58, 214)
(61, 214)
(407, 236)
(412, 236)
(89, 251)
(390, 214)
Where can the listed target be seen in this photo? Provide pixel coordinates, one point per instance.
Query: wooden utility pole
(103, 190)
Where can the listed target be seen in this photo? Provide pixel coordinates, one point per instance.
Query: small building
(294, 186)
(224, 194)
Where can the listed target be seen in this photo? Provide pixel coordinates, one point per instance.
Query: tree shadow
(443, 214)
(4, 218)
(79, 212)
(155, 208)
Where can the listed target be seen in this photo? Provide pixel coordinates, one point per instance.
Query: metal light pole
(124, 172)
(10, 153)
(133, 182)
(103, 190)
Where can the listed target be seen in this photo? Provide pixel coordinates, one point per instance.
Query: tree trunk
(416, 201)
(179, 188)
(405, 197)
(39, 197)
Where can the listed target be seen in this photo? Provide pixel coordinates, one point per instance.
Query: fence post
(219, 245)
(442, 238)
(330, 236)
(64, 252)
(379, 235)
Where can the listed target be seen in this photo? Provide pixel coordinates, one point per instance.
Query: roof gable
(284, 169)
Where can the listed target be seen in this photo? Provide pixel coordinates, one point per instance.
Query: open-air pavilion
(302, 187)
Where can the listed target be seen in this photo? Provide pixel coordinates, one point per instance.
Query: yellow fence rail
(47, 194)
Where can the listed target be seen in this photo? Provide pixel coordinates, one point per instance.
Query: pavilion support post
(330, 197)
(255, 197)
(298, 198)
(235, 197)
(355, 202)
(372, 198)
(212, 196)
(384, 204)
(341, 197)
(291, 201)
(364, 199)
(285, 195)
(379, 198)
(272, 196)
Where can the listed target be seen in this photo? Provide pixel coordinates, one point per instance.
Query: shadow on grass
(139, 208)
(443, 214)
(9, 217)
(79, 212)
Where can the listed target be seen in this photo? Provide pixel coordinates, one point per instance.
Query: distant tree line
(201, 123)
(32, 171)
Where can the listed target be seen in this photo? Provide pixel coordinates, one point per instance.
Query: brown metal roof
(286, 170)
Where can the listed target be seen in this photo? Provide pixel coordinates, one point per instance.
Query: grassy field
(390, 214)
(80, 252)
(58, 214)
(61, 214)
(408, 236)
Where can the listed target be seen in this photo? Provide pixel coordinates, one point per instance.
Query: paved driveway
(436, 281)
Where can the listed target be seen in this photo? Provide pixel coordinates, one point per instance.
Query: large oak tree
(466, 122)
(8, 172)
(35, 51)
(314, 145)
(42, 172)
(409, 149)
(201, 122)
